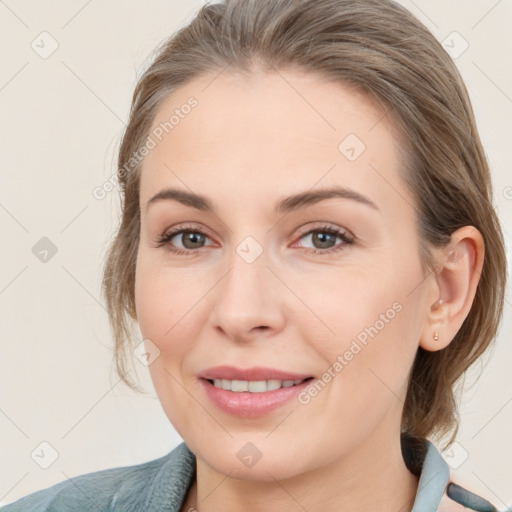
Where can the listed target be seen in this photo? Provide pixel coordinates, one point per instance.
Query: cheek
(370, 376)
(168, 313)
(163, 296)
(376, 323)
(148, 300)
(162, 317)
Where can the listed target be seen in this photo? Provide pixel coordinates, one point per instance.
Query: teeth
(273, 384)
(257, 386)
(254, 386)
(239, 385)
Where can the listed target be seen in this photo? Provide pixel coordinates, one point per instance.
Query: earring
(436, 336)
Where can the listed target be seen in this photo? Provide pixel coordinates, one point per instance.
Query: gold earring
(436, 336)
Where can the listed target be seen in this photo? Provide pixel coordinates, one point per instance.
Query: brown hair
(382, 49)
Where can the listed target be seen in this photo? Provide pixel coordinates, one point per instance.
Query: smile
(252, 399)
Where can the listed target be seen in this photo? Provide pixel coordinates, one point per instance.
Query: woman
(309, 247)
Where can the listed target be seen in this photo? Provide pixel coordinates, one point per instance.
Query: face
(324, 289)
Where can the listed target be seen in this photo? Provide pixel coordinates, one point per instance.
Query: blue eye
(194, 235)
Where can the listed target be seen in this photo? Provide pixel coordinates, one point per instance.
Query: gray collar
(434, 477)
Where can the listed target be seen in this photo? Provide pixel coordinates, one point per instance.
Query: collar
(422, 458)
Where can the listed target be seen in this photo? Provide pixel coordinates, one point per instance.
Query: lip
(251, 405)
(245, 404)
(254, 373)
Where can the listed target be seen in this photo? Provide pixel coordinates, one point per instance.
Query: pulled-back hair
(383, 50)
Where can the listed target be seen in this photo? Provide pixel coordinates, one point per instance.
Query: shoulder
(127, 488)
(459, 499)
(436, 489)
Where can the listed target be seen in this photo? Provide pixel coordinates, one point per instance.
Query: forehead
(267, 132)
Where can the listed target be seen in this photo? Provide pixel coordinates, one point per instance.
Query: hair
(381, 49)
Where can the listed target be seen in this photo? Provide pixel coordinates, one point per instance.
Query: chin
(243, 460)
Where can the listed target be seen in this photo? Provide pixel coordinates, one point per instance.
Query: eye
(190, 237)
(325, 236)
(193, 238)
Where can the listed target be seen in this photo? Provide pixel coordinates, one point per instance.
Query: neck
(372, 477)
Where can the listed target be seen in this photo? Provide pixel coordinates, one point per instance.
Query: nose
(248, 302)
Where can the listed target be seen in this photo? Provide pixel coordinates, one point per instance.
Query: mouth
(252, 392)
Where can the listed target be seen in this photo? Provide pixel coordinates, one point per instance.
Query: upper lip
(253, 374)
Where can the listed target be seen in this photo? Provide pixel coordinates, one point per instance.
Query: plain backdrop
(67, 75)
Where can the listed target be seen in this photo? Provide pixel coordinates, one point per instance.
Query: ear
(454, 286)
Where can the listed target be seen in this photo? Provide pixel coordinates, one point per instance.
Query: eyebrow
(284, 205)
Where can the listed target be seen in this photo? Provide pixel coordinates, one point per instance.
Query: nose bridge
(247, 298)
(247, 282)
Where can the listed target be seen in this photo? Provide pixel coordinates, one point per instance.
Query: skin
(247, 144)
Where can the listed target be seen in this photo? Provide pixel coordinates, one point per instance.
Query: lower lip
(250, 405)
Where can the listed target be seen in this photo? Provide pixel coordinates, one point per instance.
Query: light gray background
(61, 119)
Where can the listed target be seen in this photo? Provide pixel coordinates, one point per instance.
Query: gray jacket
(162, 485)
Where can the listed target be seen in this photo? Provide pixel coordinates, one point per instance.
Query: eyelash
(167, 237)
